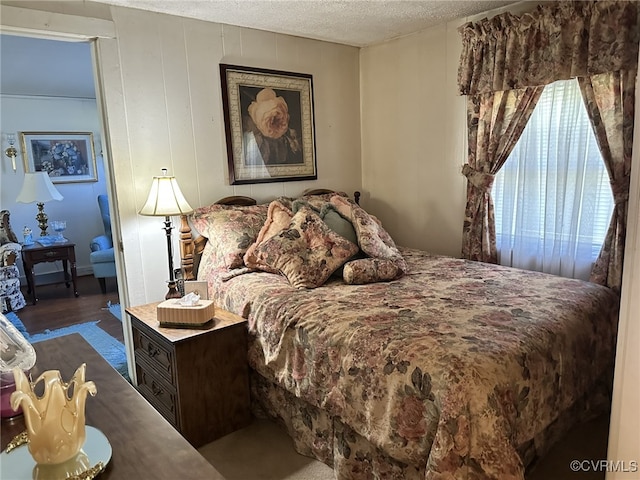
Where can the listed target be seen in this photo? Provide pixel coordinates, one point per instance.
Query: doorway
(48, 86)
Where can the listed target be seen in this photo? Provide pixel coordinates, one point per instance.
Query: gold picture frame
(269, 125)
(68, 157)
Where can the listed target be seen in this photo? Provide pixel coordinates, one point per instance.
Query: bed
(445, 369)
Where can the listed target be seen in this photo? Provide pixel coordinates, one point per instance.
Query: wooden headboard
(191, 248)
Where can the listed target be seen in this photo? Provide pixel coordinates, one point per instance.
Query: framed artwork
(68, 157)
(269, 125)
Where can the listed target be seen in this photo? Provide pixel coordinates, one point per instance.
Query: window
(552, 197)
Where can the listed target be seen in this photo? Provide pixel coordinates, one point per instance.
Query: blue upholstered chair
(102, 254)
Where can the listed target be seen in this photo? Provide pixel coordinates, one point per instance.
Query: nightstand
(36, 253)
(197, 379)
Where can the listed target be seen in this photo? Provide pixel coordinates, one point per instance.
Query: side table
(36, 253)
(197, 379)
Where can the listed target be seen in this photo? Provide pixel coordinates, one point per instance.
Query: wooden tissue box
(171, 314)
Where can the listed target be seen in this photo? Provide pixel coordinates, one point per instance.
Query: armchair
(102, 255)
(11, 297)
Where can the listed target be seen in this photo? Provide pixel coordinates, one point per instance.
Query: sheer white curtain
(552, 198)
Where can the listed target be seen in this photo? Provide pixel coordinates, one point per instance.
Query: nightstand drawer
(49, 255)
(155, 354)
(158, 393)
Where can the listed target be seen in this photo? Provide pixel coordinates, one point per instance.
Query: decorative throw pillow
(330, 215)
(374, 239)
(316, 201)
(286, 201)
(307, 252)
(231, 229)
(278, 218)
(336, 222)
(370, 270)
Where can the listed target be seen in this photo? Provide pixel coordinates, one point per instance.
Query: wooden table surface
(144, 444)
(148, 314)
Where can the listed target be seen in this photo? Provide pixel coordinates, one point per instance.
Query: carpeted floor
(111, 349)
(263, 451)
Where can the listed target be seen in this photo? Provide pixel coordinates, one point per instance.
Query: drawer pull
(51, 254)
(152, 350)
(155, 389)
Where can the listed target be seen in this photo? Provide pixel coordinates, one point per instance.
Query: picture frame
(68, 157)
(269, 125)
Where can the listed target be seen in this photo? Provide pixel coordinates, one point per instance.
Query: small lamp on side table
(39, 188)
(165, 199)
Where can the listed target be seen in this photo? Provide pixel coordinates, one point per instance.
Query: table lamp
(166, 199)
(39, 188)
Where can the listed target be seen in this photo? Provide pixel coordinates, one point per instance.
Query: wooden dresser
(144, 444)
(197, 379)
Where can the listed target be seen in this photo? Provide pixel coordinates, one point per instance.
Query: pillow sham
(231, 229)
(316, 201)
(307, 252)
(370, 270)
(329, 215)
(278, 218)
(373, 239)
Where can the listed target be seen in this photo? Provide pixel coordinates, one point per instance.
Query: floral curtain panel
(495, 122)
(610, 100)
(557, 41)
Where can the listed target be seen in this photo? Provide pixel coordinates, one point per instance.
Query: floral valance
(557, 41)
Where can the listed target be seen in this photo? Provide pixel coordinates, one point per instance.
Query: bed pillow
(336, 222)
(317, 201)
(231, 229)
(278, 218)
(370, 270)
(330, 215)
(373, 239)
(307, 252)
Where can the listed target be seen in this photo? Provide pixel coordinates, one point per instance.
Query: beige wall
(413, 138)
(169, 114)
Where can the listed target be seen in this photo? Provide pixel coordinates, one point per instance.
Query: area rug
(108, 347)
(114, 309)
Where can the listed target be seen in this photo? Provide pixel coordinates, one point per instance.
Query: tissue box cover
(171, 314)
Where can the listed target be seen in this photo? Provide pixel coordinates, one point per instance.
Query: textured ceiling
(351, 22)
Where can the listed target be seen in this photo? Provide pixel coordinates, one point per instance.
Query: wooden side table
(36, 253)
(197, 379)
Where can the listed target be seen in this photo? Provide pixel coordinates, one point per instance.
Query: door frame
(101, 35)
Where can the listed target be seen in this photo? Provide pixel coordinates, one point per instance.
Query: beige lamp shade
(165, 199)
(37, 187)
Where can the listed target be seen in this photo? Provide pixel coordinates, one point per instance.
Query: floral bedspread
(451, 369)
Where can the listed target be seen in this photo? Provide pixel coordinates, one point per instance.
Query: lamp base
(173, 290)
(42, 218)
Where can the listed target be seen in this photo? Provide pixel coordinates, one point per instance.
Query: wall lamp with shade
(38, 188)
(11, 150)
(165, 199)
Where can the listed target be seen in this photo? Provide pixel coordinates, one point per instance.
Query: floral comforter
(452, 369)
